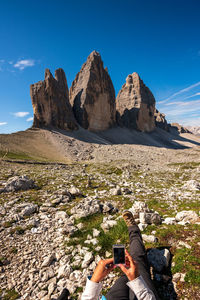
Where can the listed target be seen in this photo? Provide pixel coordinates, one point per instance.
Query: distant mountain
(194, 129)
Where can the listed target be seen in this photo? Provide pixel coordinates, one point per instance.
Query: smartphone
(119, 254)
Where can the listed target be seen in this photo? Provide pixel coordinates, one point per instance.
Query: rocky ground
(56, 221)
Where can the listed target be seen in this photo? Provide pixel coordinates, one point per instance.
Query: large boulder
(50, 100)
(18, 183)
(135, 105)
(92, 95)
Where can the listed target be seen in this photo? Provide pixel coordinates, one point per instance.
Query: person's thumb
(123, 268)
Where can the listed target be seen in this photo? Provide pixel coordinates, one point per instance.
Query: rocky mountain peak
(50, 100)
(91, 100)
(48, 74)
(135, 105)
(92, 95)
(62, 81)
(94, 53)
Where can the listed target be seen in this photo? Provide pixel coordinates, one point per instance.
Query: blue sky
(158, 39)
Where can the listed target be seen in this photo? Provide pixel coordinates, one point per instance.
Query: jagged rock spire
(92, 95)
(135, 105)
(50, 100)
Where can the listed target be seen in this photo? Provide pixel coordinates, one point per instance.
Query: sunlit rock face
(135, 105)
(50, 100)
(92, 95)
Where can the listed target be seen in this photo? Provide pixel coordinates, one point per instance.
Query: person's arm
(92, 290)
(140, 289)
(93, 286)
(136, 283)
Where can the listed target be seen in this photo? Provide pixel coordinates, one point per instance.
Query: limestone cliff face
(160, 120)
(50, 100)
(135, 105)
(92, 95)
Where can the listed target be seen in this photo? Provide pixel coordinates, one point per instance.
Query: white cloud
(194, 95)
(3, 123)
(24, 63)
(29, 119)
(2, 60)
(191, 122)
(21, 114)
(182, 103)
(178, 112)
(181, 92)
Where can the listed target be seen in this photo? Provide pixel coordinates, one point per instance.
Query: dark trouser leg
(119, 291)
(138, 253)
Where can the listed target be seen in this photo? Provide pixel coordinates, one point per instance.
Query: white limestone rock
(169, 221)
(149, 238)
(87, 260)
(192, 185)
(186, 216)
(64, 271)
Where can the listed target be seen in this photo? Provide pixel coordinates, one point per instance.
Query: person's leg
(119, 291)
(138, 252)
(64, 295)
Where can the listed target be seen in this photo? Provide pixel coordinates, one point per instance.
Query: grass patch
(89, 222)
(8, 224)
(18, 230)
(117, 234)
(185, 166)
(11, 295)
(193, 276)
(15, 155)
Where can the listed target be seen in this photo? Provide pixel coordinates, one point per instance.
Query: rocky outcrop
(160, 120)
(135, 105)
(92, 95)
(179, 128)
(50, 100)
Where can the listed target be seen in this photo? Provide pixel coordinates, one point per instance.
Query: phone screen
(119, 255)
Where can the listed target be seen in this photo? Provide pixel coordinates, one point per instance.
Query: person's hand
(103, 268)
(131, 268)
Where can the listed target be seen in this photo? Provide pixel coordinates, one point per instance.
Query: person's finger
(108, 261)
(108, 266)
(130, 258)
(123, 268)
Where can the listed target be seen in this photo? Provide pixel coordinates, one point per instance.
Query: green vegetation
(8, 224)
(155, 188)
(89, 223)
(116, 235)
(185, 166)
(11, 295)
(15, 155)
(187, 262)
(2, 260)
(17, 230)
(193, 276)
(14, 250)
